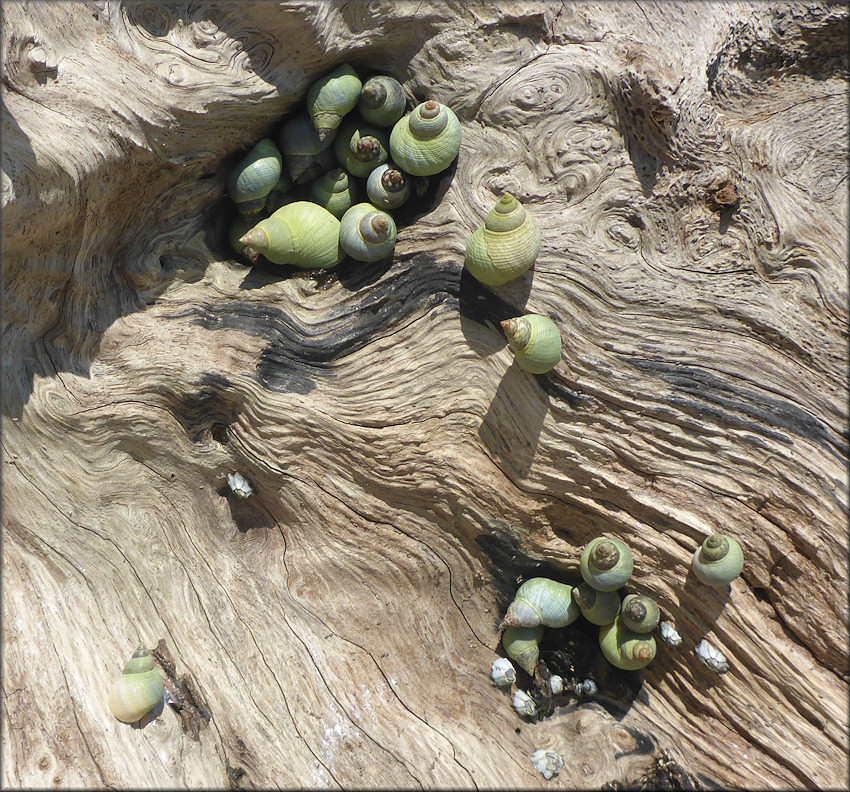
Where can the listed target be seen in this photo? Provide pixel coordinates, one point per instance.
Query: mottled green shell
(331, 97)
(505, 246)
(427, 140)
(335, 191)
(522, 646)
(626, 649)
(542, 601)
(360, 148)
(387, 187)
(367, 233)
(535, 341)
(598, 607)
(138, 690)
(640, 613)
(301, 233)
(606, 571)
(718, 561)
(255, 176)
(382, 101)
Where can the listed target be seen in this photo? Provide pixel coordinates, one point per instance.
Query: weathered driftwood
(687, 164)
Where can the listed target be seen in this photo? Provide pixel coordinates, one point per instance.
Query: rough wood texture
(337, 629)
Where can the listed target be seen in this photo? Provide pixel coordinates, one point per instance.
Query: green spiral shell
(542, 601)
(387, 187)
(255, 176)
(382, 101)
(301, 147)
(626, 649)
(138, 690)
(335, 191)
(535, 341)
(427, 140)
(598, 607)
(640, 613)
(606, 564)
(522, 645)
(301, 233)
(367, 233)
(505, 246)
(331, 97)
(360, 148)
(718, 561)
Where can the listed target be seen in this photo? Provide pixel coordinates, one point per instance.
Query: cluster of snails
(625, 626)
(301, 203)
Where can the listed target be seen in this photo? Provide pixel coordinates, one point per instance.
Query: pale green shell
(360, 148)
(606, 564)
(626, 649)
(387, 186)
(598, 607)
(522, 645)
(542, 601)
(505, 246)
(138, 690)
(718, 560)
(331, 97)
(367, 233)
(535, 341)
(427, 140)
(256, 175)
(335, 191)
(302, 149)
(640, 613)
(301, 233)
(382, 101)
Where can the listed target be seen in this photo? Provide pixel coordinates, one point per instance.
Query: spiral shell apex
(138, 690)
(606, 564)
(535, 341)
(367, 233)
(255, 177)
(522, 645)
(382, 101)
(360, 148)
(334, 191)
(387, 186)
(626, 649)
(542, 601)
(331, 97)
(718, 561)
(505, 246)
(640, 613)
(427, 140)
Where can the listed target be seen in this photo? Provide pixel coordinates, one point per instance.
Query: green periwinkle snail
(542, 601)
(253, 178)
(640, 613)
(382, 101)
(598, 607)
(332, 97)
(606, 564)
(522, 645)
(535, 341)
(718, 560)
(138, 690)
(335, 191)
(367, 233)
(427, 140)
(625, 648)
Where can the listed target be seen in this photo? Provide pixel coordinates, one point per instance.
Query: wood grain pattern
(687, 164)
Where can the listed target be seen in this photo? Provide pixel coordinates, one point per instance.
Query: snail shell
(598, 607)
(301, 233)
(367, 233)
(505, 246)
(547, 763)
(426, 140)
(387, 186)
(138, 690)
(606, 564)
(542, 601)
(626, 649)
(331, 97)
(521, 645)
(301, 146)
(279, 194)
(360, 148)
(640, 613)
(536, 342)
(382, 101)
(334, 191)
(718, 561)
(503, 672)
(238, 228)
(255, 177)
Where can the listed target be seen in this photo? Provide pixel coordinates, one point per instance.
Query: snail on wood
(360, 148)
(626, 649)
(301, 147)
(367, 233)
(535, 341)
(382, 101)
(606, 564)
(503, 672)
(255, 176)
(640, 613)
(331, 97)
(138, 690)
(505, 246)
(387, 186)
(335, 191)
(427, 140)
(541, 601)
(301, 233)
(521, 645)
(598, 607)
(718, 561)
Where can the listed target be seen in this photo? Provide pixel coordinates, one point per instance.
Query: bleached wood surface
(339, 626)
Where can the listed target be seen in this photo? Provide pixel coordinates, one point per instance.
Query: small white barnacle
(524, 704)
(669, 634)
(548, 763)
(556, 683)
(711, 657)
(503, 672)
(239, 485)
